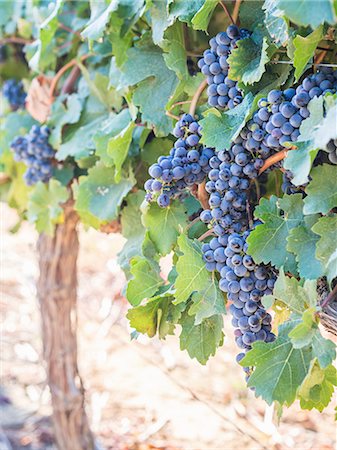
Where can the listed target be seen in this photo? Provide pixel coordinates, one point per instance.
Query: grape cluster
(228, 188)
(281, 113)
(222, 91)
(245, 284)
(35, 151)
(332, 151)
(13, 91)
(186, 165)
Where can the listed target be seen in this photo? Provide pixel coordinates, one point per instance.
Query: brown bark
(57, 295)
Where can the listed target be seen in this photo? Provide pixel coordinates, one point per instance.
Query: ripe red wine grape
(35, 151)
(13, 91)
(186, 165)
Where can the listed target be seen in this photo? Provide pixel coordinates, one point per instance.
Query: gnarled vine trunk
(57, 292)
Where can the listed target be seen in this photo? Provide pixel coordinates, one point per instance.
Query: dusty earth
(140, 395)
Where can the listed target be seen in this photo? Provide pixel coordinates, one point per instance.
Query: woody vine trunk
(57, 292)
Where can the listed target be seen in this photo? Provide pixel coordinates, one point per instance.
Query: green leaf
(64, 111)
(158, 315)
(302, 335)
(146, 68)
(202, 340)
(302, 242)
(247, 62)
(299, 161)
(175, 56)
(202, 17)
(276, 25)
(160, 20)
(293, 294)
(326, 250)
(327, 129)
(266, 242)
(307, 333)
(305, 49)
(44, 206)
(81, 144)
(118, 147)
(165, 224)
(318, 386)
(303, 13)
(132, 228)
(146, 280)
(322, 190)
(194, 278)
(98, 197)
(110, 128)
(279, 368)
(45, 54)
(183, 10)
(100, 15)
(220, 129)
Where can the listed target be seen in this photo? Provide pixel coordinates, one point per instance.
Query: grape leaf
(193, 277)
(118, 147)
(327, 129)
(175, 53)
(100, 15)
(160, 20)
(146, 68)
(307, 333)
(110, 128)
(322, 190)
(132, 229)
(317, 387)
(98, 197)
(183, 10)
(276, 25)
(165, 224)
(305, 49)
(303, 13)
(220, 129)
(202, 17)
(299, 161)
(45, 55)
(326, 250)
(279, 368)
(302, 242)
(323, 349)
(293, 294)
(146, 280)
(266, 241)
(63, 111)
(202, 340)
(44, 205)
(80, 144)
(159, 314)
(247, 62)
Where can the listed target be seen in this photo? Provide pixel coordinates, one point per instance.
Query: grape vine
(203, 132)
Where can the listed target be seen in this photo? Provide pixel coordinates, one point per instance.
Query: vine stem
(193, 222)
(329, 297)
(15, 40)
(173, 116)
(196, 96)
(274, 159)
(206, 234)
(236, 11)
(64, 27)
(224, 7)
(180, 103)
(63, 69)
